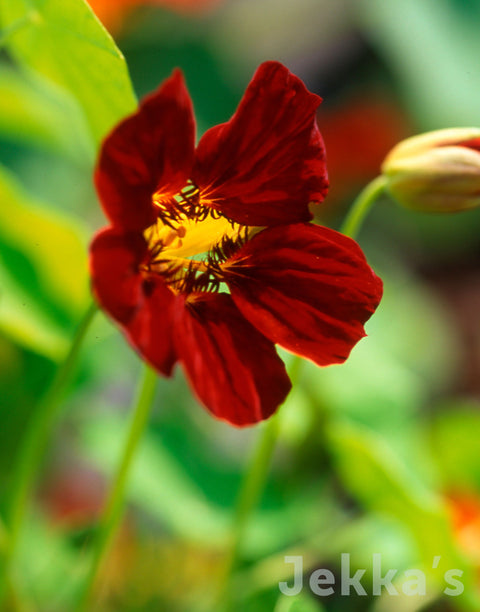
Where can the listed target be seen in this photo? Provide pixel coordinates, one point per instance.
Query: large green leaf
(43, 270)
(37, 112)
(64, 41)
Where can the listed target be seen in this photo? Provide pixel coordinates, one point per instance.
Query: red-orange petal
(473, 143)
(267, 163)
(149, 151)
(306, 288)
(142, 307)
(234, 370)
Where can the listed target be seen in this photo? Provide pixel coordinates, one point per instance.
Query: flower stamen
(191, 240)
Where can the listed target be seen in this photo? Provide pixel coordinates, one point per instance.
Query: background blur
(380, 455)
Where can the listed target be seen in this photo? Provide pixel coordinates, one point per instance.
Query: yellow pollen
(185, 233)
(191, 238)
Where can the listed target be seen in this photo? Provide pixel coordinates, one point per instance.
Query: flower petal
(473, 143)
(305, 287)
(142, 307)
(234, 369)
(267, 163)
(149, 151)
(114, 263)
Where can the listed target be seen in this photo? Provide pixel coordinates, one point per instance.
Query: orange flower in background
(465, 513)
(112, 13)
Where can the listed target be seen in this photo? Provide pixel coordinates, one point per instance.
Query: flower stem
(361, 206)
(34, 443)
(251, 489)
(114, 505)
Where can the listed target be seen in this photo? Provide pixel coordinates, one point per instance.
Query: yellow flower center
(188, 240)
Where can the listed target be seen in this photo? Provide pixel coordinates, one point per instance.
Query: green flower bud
(437, 171)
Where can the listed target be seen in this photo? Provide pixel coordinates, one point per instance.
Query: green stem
(361, 206)
(252, 486)
(11, 594)
(251, 490)
(114, 505)
(34, 443)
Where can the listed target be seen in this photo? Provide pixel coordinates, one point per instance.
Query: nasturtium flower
(210, 259)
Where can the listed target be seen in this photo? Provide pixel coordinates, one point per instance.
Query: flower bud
(436, 172)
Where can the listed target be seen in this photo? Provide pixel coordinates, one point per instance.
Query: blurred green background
(379, 455)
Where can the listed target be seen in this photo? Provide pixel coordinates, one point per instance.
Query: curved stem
(113, 510)
(253, 484)
(35, 441)
(254, 480)
(361, 206)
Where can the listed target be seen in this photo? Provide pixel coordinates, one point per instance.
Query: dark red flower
(190, 224)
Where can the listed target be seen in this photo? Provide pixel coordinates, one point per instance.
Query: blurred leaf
(374, 474)
(157, 483)
(379, 481)
(25, 323)
(413, 327)
(44, 285)
(161, 486)
(3, 536)
(309, 511)
(433, 49)
(455, 434)
(34, 111)
(406, 603)
(63, 40)
(361, 537)
(50, 566)
(298, 603)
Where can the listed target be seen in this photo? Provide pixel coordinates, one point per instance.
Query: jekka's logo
(323, 582)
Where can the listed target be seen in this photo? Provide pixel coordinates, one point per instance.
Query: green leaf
(43, 270)
(455, 433)
(50, 565)
(381, 483)
(378, 479)
(63, 40)
(158, 482)
(37, 112)
(425, 44)
(25, 323)
(298, 603)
